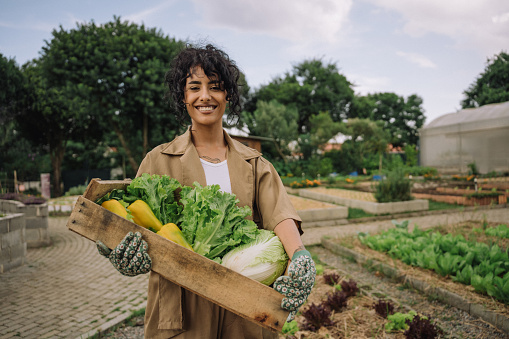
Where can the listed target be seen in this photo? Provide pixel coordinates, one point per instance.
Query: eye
(216, 88)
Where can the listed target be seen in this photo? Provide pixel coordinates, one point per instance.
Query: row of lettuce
(481, 265)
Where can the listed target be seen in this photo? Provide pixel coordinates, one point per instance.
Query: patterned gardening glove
(297, 285)
(130, 257)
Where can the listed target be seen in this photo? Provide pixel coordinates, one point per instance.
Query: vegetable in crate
(212, 222)
(263, 259)
(172, 232)
(143, 216)
(158, 191)
(116, 207)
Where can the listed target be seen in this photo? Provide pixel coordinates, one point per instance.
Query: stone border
(13, 246)
(324, 216)
(36, 220)
(500, 321)
(370, 207)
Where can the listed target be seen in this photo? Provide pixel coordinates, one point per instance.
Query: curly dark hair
(214, 62)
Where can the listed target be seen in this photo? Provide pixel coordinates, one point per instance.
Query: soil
(308, 204)
(359, 319)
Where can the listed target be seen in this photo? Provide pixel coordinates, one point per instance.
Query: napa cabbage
(264, 259)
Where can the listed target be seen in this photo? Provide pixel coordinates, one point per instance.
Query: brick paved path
(66, 290)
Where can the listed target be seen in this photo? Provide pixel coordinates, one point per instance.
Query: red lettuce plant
(421, 328)
(331, 278)
(336, 301)
(317, 316)
(383, 308)
(349, 288)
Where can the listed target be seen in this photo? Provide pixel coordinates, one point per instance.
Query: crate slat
(212, 281)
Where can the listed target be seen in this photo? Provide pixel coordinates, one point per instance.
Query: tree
(51, 116)
(492, 85)
(402, 118)
(11, 89)
(118, 68)
(276, 121)
(368, 136)
(311, 87)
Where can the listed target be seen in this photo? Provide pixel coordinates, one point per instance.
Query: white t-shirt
(217, 174)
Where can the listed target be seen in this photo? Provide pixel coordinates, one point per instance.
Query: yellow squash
(115, 207)
(171, 232)
(143, 215)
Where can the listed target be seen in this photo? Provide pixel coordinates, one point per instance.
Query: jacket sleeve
(271, 199)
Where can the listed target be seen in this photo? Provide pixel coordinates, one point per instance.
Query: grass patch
(355, 213)
(438, 205)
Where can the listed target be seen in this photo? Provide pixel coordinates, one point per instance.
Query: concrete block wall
(36, 221)
(13, 246)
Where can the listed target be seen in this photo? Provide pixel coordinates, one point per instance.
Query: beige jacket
(172, 310)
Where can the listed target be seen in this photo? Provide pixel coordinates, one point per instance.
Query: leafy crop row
(485, 267)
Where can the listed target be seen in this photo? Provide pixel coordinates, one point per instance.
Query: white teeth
(205, 108)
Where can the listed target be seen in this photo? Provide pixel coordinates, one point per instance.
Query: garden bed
(427, 281)
(363, 200)
(461, 196)
(316, 213)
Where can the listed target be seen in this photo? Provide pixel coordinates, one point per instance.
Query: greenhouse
(454, 142)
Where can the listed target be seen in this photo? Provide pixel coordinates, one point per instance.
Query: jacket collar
(183, 142)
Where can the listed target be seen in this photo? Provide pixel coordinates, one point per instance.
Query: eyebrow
(196, 82)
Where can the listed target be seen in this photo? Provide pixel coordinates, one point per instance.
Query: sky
(433, 48)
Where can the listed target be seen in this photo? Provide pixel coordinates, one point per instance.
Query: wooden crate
(224, 287)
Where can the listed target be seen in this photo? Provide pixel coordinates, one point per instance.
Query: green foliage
(473, 169)
(276, 121)
(290, 328)
(401, 117)
(369, 137)
(398, 321)
(346, 160)
(411, 155)
(312, 86)
(395, 187)
(11, 90)
(485, 267)
(492, 85)
(76, 190)
(501, 231)
(115, 71)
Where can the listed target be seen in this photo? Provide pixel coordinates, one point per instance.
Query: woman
(203, 83)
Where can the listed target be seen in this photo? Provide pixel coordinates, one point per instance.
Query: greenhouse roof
(498, 111)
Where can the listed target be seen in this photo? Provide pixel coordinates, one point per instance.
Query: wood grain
(226, 288)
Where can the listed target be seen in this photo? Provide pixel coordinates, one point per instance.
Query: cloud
(148, 13)
(481, 25)
(368, 84)
(300, 21)
(417, 59)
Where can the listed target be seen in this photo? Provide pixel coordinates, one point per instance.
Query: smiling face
(205, 98)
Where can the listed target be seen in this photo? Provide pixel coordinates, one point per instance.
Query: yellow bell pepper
(116, 207)
(171, 232)
(143, 215)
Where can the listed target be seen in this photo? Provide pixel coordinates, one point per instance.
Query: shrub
(76, 190)
(395, 187)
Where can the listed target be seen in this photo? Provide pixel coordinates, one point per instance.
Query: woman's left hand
(297, 285)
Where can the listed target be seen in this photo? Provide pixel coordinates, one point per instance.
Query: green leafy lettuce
(212, 222)
(158, 192)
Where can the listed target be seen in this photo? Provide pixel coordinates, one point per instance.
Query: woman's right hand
(130, 257)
